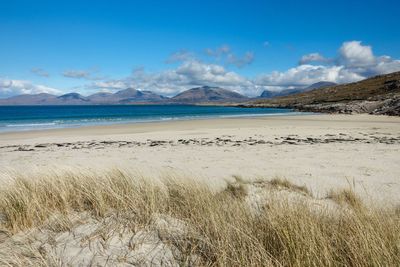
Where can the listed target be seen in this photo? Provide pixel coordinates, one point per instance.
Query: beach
(321, 152)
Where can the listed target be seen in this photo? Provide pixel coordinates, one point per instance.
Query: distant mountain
(131, 95)
(71, 99)
(207, 94)
(100, 98)
(127, 96)
(286, 92)
(37, 99)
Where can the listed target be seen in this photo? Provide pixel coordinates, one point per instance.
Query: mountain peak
(208, 94)
(72, 96)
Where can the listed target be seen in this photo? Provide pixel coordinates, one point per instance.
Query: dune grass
(346, 196)
(284, 183)
(284, 234)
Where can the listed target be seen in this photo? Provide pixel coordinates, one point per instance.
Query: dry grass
(285, 234)
(346, 196)
(284, 183)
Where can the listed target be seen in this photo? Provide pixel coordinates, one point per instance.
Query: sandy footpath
(320, 151)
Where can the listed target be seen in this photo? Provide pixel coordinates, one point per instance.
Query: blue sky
(170, 46)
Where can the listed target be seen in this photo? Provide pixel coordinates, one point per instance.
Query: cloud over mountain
(17, 87)
(354, 61)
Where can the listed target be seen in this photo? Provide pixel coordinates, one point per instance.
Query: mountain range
(127, 96)
(198, 95)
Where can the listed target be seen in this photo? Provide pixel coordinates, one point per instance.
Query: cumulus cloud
(40, 72)
(304, 75)
(354, 62)
(18, 87)
(187, 75)
(354, 54)
(360, 59)
(313, 57)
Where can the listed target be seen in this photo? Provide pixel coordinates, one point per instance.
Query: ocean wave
(87, 121)
(31, 124)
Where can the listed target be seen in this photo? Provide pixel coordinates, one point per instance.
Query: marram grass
(283, 234)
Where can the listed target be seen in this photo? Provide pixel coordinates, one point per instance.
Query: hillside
(376, 95)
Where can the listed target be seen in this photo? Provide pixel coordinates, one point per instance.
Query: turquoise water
(23, 118)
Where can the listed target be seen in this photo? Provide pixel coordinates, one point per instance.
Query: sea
(27, 118)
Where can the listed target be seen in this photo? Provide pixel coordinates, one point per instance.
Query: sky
(170, 46)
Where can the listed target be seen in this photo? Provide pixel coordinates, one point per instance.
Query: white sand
(371, 163)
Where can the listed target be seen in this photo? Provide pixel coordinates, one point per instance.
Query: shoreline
(132, 122)
(137, 127)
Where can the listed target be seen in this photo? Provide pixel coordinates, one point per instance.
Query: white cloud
(354, 62)
(17, 87)
(313, 57)
(354, 54)
(360, 59)
(386, 64)
(304, 75)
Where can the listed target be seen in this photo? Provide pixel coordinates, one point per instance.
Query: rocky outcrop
(389, 107)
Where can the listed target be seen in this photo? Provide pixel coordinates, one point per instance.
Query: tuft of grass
(227, 233)
(236, 189)
(346, 196)
(284, 183)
